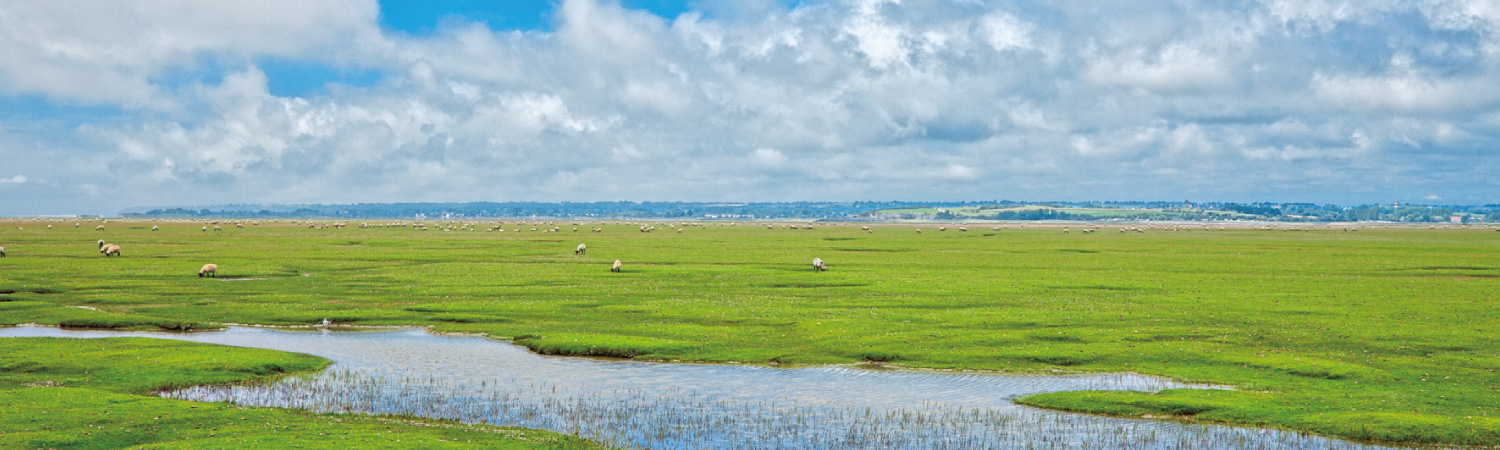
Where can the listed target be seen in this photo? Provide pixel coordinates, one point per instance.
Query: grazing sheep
(153, 228)
(616, 267)
(211, 270)
(101, 244)
(2, 252)
(582, 250)
(919, 231)
(216, 228)
(818, 265)
(111, 249)
(963, 229)
(99, 228)
(205, 228)
(942, 228)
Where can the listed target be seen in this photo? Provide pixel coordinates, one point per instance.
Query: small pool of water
(681, 406)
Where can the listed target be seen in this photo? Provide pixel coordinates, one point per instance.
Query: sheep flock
(537, 227)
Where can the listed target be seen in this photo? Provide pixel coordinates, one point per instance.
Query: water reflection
(672, 406)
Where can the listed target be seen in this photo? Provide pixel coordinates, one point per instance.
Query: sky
(107, 105)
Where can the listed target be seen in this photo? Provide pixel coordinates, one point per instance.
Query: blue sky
(108, 105)
(423, 17)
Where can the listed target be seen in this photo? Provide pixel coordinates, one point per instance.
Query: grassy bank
(1384, 333)
(99, 393)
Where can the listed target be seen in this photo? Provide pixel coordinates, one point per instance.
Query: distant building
(1456, 219)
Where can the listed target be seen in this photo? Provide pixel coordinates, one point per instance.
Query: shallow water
(656, 405)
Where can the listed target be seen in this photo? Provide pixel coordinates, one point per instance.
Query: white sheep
(818, 265)
(101, 244)
(111, 249)
(211, 270)
(942, 228)
(153, 228)
(616, 267)
(864, 228)
(99, 228)
(205, 228)
(582, 250)
(2, 252)
(919, 231)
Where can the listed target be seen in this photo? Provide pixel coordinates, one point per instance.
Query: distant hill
(849, 211)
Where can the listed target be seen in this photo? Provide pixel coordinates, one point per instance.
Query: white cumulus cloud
(165, 102)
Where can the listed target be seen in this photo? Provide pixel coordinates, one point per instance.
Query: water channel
(688, 406)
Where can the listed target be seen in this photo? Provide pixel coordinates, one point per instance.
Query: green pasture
(100, 394)
(1382, 334)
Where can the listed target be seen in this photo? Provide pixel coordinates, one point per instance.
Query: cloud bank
(168, 103)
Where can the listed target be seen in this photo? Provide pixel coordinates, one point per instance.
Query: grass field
(100, 393)
(1383, 334)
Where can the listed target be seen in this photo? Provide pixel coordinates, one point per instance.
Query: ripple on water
(659, 405)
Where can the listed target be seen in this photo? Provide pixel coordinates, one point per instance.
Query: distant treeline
(488, 210)
(843, 211)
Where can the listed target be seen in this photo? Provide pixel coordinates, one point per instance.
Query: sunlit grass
(1352, 334)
